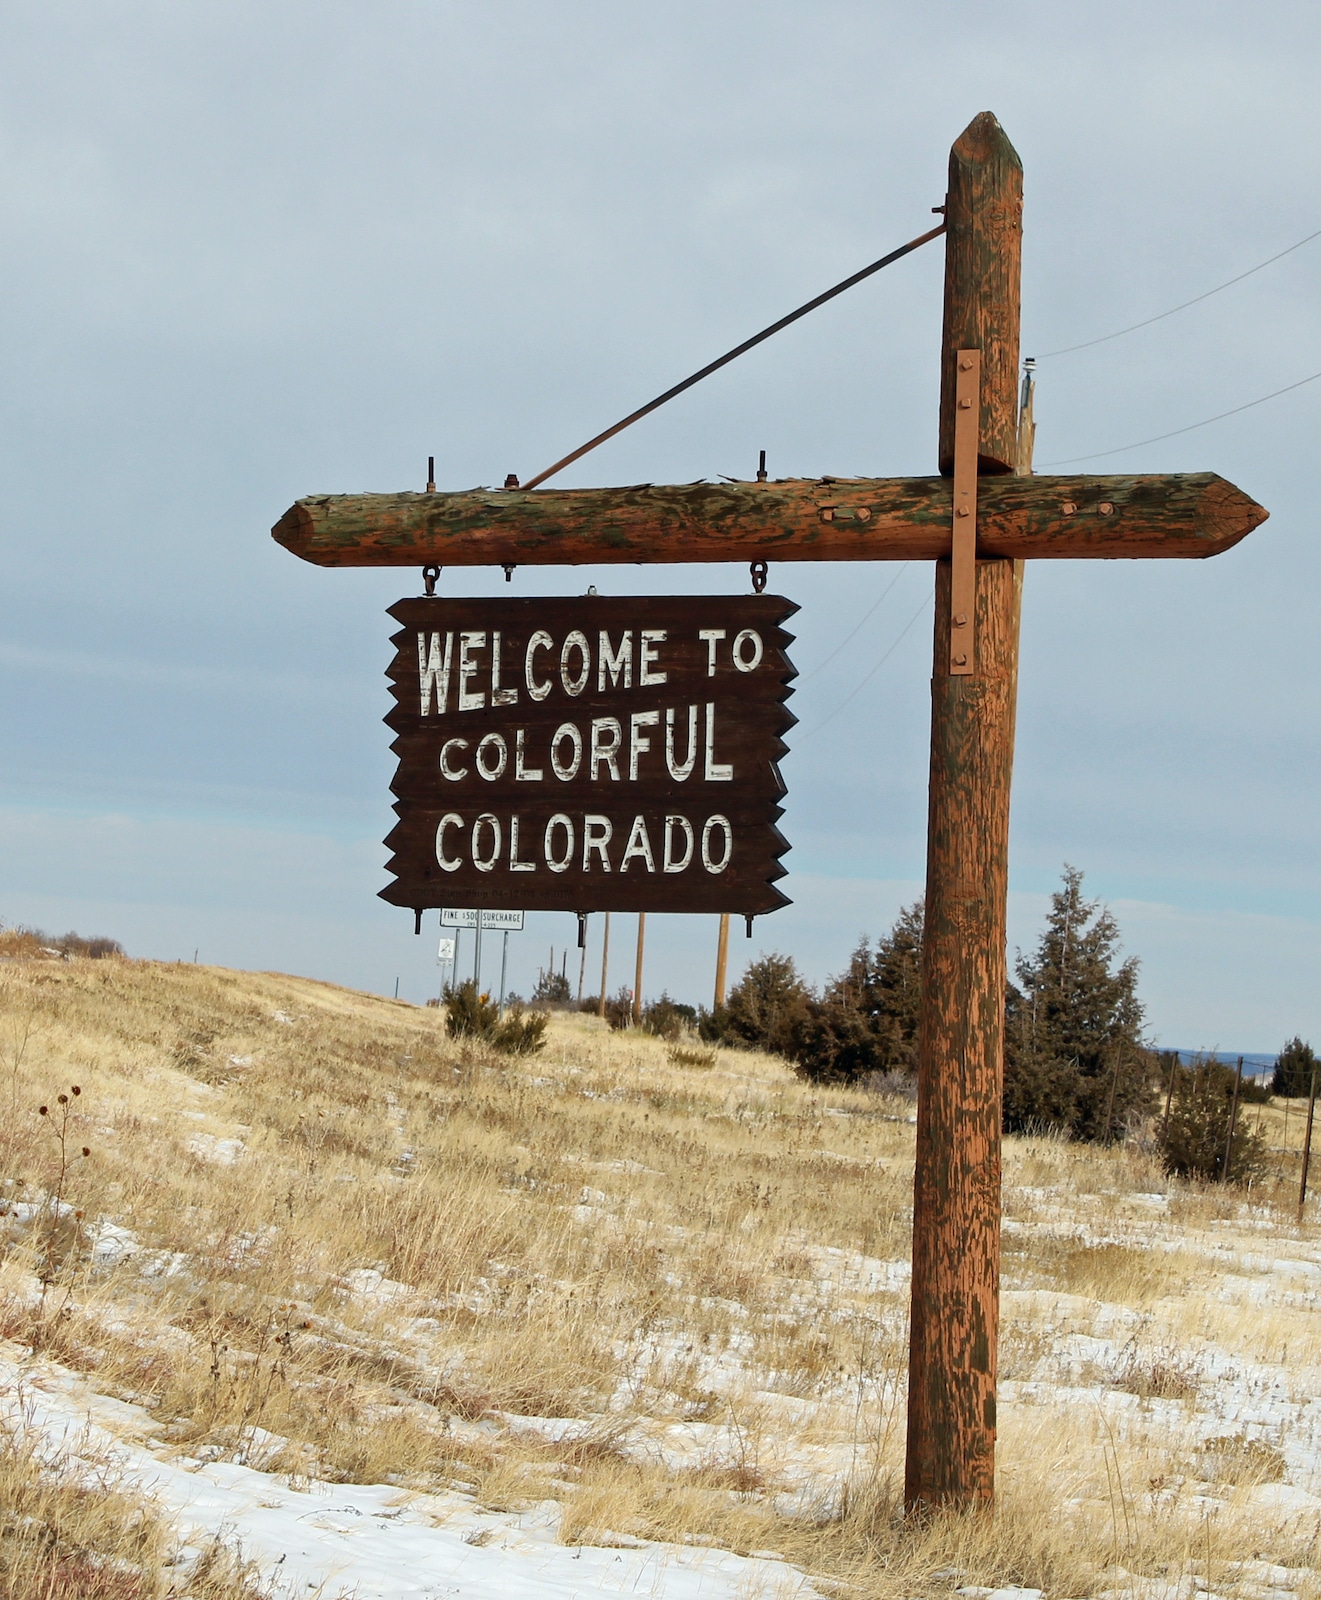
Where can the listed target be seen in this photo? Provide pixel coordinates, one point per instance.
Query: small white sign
(509, 921)
(444, 952)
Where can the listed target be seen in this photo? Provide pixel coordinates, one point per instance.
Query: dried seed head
(78, 1215)
(63, 1099)
(44, 1110)
(87, 1150)
(76, 1089)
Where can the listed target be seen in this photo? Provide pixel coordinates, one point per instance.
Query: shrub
(866, 1022)
(766, 1010)
(1294, 1067)
(522, 1033)
(619, 1008)
(668, 1018)
(470, 1014)
(1194, 1140)
(552, 988)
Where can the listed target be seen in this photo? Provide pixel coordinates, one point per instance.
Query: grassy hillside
(314, 1235)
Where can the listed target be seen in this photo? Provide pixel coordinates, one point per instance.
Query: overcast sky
(252, 251)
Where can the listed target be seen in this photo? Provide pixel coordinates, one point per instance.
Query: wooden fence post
(956, 1190)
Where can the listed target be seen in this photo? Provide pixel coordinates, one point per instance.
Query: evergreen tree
(766, 1009)
(867, 1018)
(1201, 1117)
(1074, 1056)
(1294, 1067)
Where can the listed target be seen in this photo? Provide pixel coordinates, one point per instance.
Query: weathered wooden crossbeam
(829, 519)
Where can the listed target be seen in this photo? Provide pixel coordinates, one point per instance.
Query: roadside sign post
(481, 706)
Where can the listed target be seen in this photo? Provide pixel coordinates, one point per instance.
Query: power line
(738, 350)
(862, 684)
(1174, 432)
(867, 616)
(1105, 338)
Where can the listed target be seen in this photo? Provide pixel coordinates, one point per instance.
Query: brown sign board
(591, 753)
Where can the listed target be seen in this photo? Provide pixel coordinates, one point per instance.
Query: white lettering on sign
(677, 769)
(524, 774)
(575, 641)
(433, 671)
(554, 862)
(647, 657)
(492, 757)
(487, 863)
(492, 843)
(451, 819)
(714, 771)
(711, 826)
(499, 696)
(639, 845)
(616, 665)
(515, 865)
(606, 735)
(613, 664)
(638, 744)
(711, 636)
(604, 746)
(468, 667)
(565, 771)
(673, 863)
(747, 650)
(597, 833)
(540, 640)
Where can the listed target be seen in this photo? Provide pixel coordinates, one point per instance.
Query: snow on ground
(371, 1542)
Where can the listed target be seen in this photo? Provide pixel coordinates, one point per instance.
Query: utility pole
(722, 960)
(605, 966)
(956, 1185)
(637, 977)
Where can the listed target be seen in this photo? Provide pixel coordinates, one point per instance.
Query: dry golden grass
(370, 1254)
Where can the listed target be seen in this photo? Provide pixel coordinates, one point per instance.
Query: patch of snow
(370, 1283)
(112, 1244)
(207, 1147)
(374, 1541)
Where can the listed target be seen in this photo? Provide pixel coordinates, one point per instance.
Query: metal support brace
(963, 552)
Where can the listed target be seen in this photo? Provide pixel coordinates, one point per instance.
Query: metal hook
(758, 569)
(429, 576)
(582, 930)
(509, 571)
(748, 921)
(417, 922)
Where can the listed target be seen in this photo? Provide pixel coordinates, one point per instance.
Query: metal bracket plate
(963, 551)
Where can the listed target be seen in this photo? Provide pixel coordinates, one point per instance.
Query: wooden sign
(590, 754)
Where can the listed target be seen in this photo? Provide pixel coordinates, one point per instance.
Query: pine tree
(1074, 1056)
(766, 1009)
(1294, 1067)
(867, 1018)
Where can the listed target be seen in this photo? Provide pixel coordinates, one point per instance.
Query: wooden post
(722, 960)
(637, 976)
(1233, 1122)
(605, 965)
(1169, 1098)
(956, 1189)
(1307, 1147)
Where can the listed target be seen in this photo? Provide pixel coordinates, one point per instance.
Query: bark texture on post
(956, 1189)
